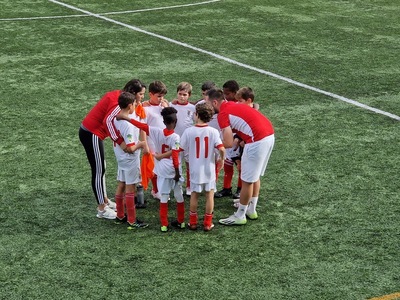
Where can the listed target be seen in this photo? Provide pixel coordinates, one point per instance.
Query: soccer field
(326, 73)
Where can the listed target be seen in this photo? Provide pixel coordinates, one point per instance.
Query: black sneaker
(120, 221)
(237, 194)
(223, 193)
(178, 225)
(137, 224)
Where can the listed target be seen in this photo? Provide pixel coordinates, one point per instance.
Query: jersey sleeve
(128, 134)
(140, 125)
(223, 120)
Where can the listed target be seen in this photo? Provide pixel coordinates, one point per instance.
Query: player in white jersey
(168, 166)
(153, 108)
(185, 116)
(185, 109)
(128, 164)
(199, 142)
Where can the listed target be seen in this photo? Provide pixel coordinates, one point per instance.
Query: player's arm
(143, 137)
(123, 146)
(227, 137)
(142, 126)
(160, 156)
(175, 162)
(109, 123)
(221, 158)
(133, 147)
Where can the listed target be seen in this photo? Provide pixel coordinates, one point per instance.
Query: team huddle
(154, 138)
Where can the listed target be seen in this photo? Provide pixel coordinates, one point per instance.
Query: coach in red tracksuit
(95, 127)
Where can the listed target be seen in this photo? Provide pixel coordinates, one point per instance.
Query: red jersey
(99, 119)
(249, 124)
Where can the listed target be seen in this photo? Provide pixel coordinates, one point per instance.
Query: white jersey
(185, 116)
(199, 143)
(153, 118)
(130, 134)
(165, 140)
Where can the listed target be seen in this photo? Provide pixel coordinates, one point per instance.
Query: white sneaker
(112, 205)
(107, 213)
(233, 220)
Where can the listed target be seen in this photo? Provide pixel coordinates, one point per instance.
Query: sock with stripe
(193, 218)
(252, 205)
(241, 211)
(207, 220)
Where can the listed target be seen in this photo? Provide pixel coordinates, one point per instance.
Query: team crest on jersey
(129, 137)
(177, 145)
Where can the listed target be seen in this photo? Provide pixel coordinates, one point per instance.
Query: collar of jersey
(168, 132)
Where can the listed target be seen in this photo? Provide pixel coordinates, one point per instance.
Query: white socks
(252, 205)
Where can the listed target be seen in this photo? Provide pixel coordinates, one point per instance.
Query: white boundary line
(341, 98)
(112, 13)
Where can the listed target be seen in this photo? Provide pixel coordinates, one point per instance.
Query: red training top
(99, 119)
(249, 124)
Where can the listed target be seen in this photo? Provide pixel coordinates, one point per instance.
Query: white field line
(113, 13)
(329, 94)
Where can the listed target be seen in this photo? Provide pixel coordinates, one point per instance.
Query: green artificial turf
(329, 205)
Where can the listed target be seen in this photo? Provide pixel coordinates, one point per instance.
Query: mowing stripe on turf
(308, 87)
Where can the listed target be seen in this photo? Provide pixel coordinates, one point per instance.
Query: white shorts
(255, 158)
(166, 185)
(131, 176)
(198, 188)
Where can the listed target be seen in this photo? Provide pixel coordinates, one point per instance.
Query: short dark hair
(125, 98)
(231, 85)
(158, 87)
(215, 94)
(204, 111)
(208, 85)
(134, 86)
(169, 115)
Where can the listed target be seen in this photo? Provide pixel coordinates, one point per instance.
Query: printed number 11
(197, 139)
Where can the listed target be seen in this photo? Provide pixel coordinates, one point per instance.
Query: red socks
(228, 174)
(130, 207)
(193, 218)
(164, 214)
(207, 220)
(119, 201)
